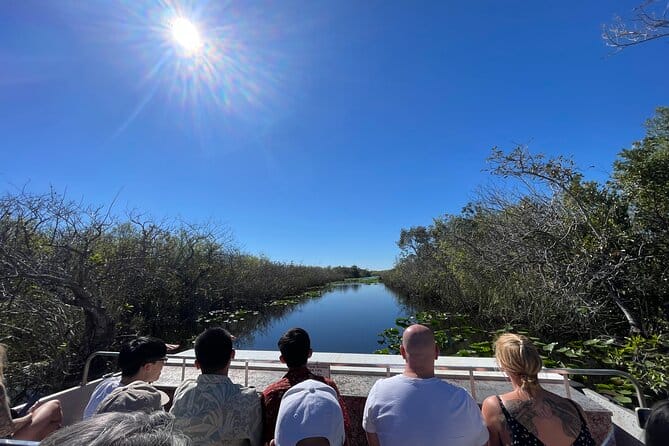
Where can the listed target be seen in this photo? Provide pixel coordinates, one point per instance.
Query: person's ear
(403, 352)
(232, 355)
(310, 353)
(282, 359)
(197, 364)
(436, 351)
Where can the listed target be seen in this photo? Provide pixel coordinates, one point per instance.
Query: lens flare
(208, 66)
(186, 35)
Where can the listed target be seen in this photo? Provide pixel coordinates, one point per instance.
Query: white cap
(309, 409)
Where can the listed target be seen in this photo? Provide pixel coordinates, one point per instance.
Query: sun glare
(199, 66)
(186, 35)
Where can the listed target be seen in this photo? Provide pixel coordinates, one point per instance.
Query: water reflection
(346, 318)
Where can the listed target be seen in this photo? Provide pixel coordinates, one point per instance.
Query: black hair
(657, 426)
(142, 350)
(213, 349)
(294, 346)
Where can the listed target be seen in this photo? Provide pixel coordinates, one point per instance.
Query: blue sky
(314, 131)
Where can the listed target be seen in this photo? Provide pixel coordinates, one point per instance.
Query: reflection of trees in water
(410, 305)
(243, 323)
(252, 324)
(344, 287)
(258, 323)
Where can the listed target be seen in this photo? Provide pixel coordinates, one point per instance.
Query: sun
(186, 35)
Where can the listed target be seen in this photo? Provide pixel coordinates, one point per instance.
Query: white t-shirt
(101, 391)
(413, 411)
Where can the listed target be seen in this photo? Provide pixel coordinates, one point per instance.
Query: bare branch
(649, 22)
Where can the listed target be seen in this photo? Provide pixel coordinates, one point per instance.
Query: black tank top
(520, 436)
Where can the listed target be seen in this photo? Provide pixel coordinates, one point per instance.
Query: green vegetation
(564, 258)
(74, 279)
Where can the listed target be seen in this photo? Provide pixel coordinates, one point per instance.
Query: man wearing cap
(212, 410)
(295, 348)
(418, 408)
(310, 415)
(140, 359)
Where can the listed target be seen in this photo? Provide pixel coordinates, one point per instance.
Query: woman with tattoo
(40, 421)
(530, 415)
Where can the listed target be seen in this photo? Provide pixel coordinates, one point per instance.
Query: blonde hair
(517, 355)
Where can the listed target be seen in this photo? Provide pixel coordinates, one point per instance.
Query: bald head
(419, 351)
(418, 340)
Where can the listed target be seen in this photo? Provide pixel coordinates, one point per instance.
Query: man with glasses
(140, 359)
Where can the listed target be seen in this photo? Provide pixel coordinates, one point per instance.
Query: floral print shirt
(212, 410)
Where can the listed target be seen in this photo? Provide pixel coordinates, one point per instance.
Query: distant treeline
(550, 251)
(75, 279)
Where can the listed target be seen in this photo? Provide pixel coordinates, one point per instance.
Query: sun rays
(201, 65)
(186, 35)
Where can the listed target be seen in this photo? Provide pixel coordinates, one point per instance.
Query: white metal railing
(257, 364)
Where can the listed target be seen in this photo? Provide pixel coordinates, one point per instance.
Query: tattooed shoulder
(567, 413)
(524, 412)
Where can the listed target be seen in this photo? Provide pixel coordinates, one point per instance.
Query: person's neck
(418, 372)
(537, 393)
(299, 367)
(125, 380)
(221, 372)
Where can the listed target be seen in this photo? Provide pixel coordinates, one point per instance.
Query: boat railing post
(472, 383)
(567, 387)
(246, 373)
(387, 371)
(89, 360)
(87, 366)
(183, 369)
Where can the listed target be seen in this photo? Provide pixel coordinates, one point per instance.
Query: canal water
(347, 318)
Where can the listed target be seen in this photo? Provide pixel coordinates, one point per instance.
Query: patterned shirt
(212, 410)
(271, 398)
(521, 436)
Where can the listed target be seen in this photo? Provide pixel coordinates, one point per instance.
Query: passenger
(295, 348)
(141, 359)
(116, 428)
(310, 415)
(417, 408)
(41, 420)
(657, 425)
(136, 396)
(530, 415)
(212, 410)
